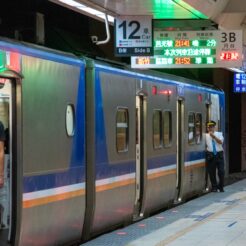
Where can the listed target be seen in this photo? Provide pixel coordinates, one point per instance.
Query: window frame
(120, 109)
(193, 138)
(170, 128)
(200, 128)
(70, 133)
(155, 147)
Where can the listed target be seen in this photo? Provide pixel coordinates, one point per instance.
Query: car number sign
(133, 36)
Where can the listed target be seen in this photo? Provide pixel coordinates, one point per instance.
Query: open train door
(213, 112)
(8, 192)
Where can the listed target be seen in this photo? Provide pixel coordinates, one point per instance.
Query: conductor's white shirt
(217, 145)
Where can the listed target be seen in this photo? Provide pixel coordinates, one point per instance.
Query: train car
(45, 90)
(146, 133)
(93, 146)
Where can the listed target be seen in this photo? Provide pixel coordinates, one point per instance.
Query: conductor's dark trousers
(216, 162)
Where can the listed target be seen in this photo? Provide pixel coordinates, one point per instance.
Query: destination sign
(193, 49)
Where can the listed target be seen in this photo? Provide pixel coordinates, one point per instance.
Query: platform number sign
(133, 36)
(228, 37)
(229, 42)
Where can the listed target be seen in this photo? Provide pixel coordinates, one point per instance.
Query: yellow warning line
(190, 228)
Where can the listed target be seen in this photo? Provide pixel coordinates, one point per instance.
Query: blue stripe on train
(194, 155)
(100, 138)
(104, 170)
(162, 161)
(48, 181)
(78, 145)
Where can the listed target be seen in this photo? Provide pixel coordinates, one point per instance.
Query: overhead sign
(186, 49)
(133, 36)
(239, 82)
(244, 59)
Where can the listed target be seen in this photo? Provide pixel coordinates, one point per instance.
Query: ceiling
(159, 9)
(228, 14)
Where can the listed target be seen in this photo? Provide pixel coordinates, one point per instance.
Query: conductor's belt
(217, 152)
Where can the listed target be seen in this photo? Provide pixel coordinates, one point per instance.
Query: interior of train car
(6, 191)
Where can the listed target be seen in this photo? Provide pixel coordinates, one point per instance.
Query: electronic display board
(239, 84)
(184, 49)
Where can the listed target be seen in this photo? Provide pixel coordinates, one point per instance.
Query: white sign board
(133, 36)
(186, 49)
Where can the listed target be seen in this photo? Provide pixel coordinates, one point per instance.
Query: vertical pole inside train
(180, 148)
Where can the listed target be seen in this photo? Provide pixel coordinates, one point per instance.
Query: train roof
(69, 58)
(39, 51)
(152, 74)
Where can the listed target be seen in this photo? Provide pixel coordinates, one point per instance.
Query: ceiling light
(236, 70)
(83, 8)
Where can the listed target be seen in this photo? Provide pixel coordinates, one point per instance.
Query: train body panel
(53, 162)
(114, 172)
(94, 146)
(195, 127)
(48, 164)
(161, 147)
(148, 184)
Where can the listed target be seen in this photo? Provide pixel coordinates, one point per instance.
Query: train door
(208, 113)
(212, 113)
(140, 156)
(5, 191)
(180, 148)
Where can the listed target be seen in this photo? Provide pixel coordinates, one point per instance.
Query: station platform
(212, 219)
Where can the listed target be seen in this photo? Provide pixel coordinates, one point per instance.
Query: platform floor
(213, 219)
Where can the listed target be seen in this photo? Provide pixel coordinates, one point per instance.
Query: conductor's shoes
(222, 190)
(214, 190)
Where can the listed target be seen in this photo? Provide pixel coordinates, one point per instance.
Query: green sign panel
(193, 49)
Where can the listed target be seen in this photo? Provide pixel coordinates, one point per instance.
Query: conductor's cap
(211, 123)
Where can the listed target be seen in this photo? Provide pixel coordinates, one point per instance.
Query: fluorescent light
(70, 2)
(87, 9)
(236, 70)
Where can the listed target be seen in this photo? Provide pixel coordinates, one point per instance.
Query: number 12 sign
(133, 36)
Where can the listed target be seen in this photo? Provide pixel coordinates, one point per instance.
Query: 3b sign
(228, 37)
(133, 36)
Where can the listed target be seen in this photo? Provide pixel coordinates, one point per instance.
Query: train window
(191, 128)
(198, 135)
(167, 128)
(157, 124)
(122, 130)
(70, 120)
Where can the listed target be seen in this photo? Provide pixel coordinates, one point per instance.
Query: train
(95, 145)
